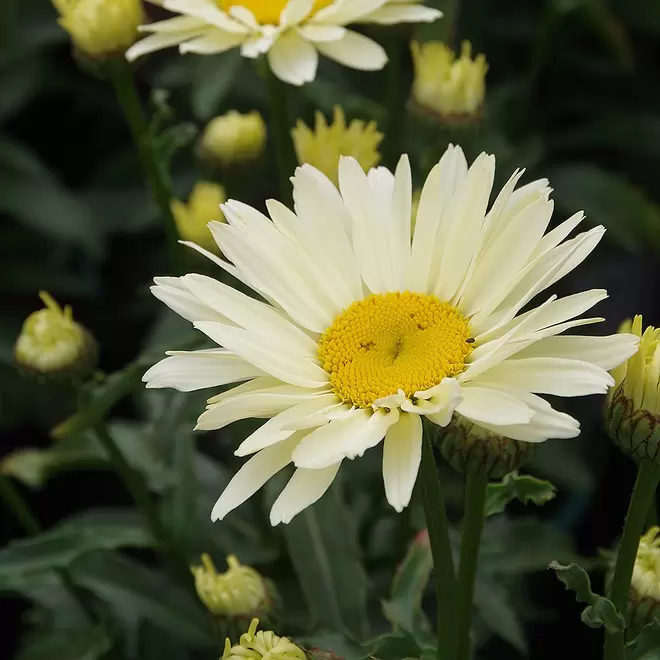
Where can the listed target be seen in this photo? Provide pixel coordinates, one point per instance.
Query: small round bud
(101, 28)
(326, 143)
(203, 206)
(233, 138)
(644, 598)
(258, 645)
(51, 343)
(448, 87)
(632, 416)
(238, 592)
(472, 449)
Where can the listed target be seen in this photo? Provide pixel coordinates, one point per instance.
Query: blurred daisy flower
(369, 327)
(291, 32)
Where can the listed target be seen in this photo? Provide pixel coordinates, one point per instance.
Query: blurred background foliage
(573, 95)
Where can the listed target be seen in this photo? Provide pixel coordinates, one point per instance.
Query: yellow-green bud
(449, 87)
(262, 645)
(101, 28)
(233, 138)
(633, 409)
(240, 591)
(51, 343)
(203, 206)
(472, 449)
(322, 147)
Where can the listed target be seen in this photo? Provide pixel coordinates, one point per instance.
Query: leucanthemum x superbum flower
(367, 330)
(292, 32)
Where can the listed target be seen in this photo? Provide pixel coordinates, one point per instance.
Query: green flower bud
(238, 592)
(262, 645)
(52, 344)
(633, 409)
(472, 449)
(233, 138)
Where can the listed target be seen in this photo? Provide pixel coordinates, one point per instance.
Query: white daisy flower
(292, 32)
(367, 330)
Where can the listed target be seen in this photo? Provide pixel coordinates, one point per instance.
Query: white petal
(481, 404)
(440, 400)
(257, 404)
(253, 475)
(317, 33)
(212, 43)
(355, 51)
(402, 454)
(197, 370)
(392, 14)
(373, 432)
(206, 11)
(293, 59)
(304, 488)
(606, 352)
(295, 11)
(271, 356)
(347, 11)
(282, 425)
(162, 40)
(557, 376)
(173, 292)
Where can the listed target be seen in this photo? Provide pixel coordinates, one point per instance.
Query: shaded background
(573, 94)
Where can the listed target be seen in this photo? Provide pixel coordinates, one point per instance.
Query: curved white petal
(303, 489)
(481, 404)
(176, 296)
(207, 12)
(253, 475)
(395, 13)
(354, 50)
(295, 11)
(212, 43)
(402, 454)
(293, 59)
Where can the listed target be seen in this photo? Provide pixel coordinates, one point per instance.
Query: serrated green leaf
(521, 487)
(403, 609)
(70, 539)
(600, 610)
(323, 547)
(136, 592)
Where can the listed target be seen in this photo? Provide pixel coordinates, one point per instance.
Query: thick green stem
(397, 96)
(31, 526)
(122, 80)
(143, 499)
(643, 492)
(473, 524)
(281, 132)
(448, 24)
(443, 563)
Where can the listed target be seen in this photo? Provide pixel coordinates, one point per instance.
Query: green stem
(32, 527)
(397, 96)
(643, 492)
(281, 132)
(473, 524)
(121, 76)
(443, 563)
(448, 24)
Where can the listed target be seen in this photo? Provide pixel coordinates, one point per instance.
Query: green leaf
(214, 77)
(323, 547)
(404, 609)
(136, 592)
(600, 610)
(27, 466)
(631, 219)
(514, 486)
(394, 646)
(70, 539)
(88, 644)
(492, 604)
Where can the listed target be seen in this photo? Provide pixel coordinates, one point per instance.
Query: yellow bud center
(393, 341)
(267, 11)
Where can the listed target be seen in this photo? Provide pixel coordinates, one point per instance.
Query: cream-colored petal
(355, 51)
(402, 454)
(293, 59)
(304, 488)
(212, 43)
(253, 475)
(481, 404)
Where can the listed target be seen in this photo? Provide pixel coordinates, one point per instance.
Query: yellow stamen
(393, 341)
(267, 11)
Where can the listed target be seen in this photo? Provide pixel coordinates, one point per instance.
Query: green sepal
(600, 611)
(514, 486)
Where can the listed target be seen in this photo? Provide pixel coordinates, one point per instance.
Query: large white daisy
(292, 32)
(365, 329)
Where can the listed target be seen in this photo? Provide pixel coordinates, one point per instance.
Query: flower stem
(138, 489)
(121, 76)
(648, 476)
(32, 527)
(281, 132)
(473, 524)
(443, 563)
(448, 24)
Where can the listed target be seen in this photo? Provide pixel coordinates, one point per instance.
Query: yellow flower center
(267, 11)
(393, 341)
